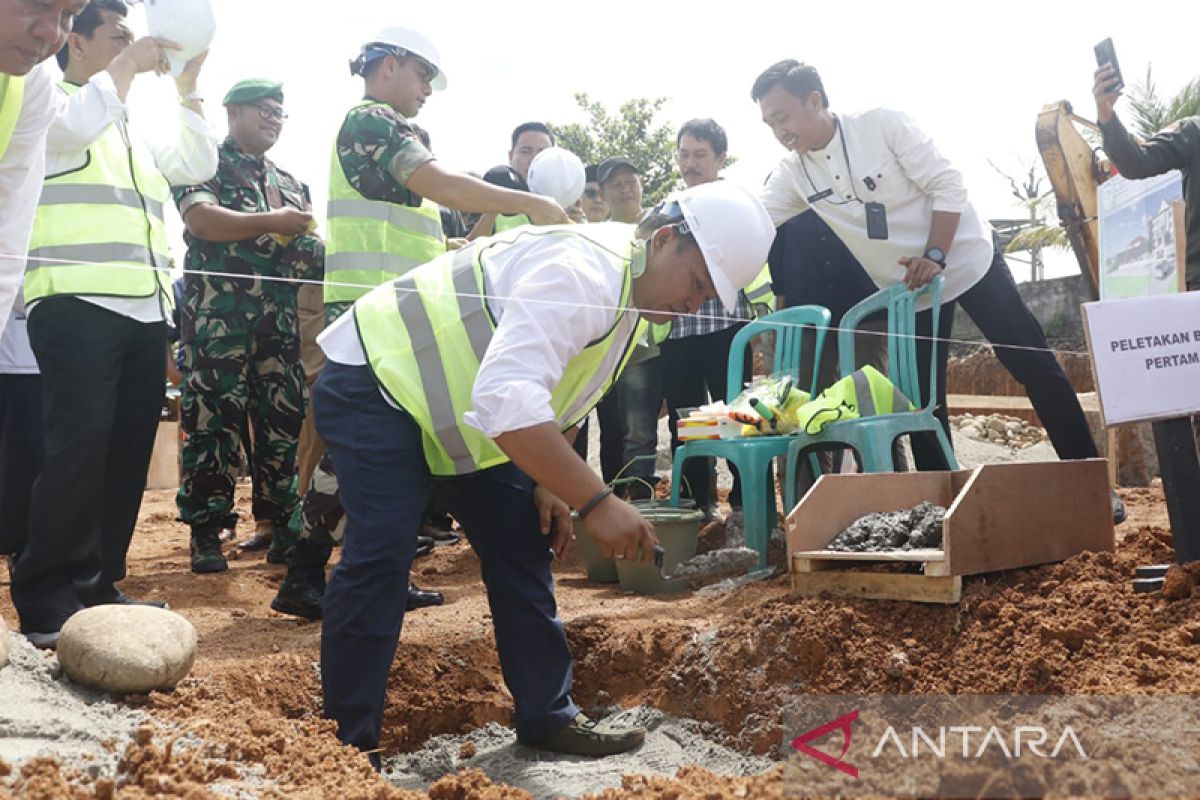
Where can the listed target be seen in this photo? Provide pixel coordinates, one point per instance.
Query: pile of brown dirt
(249, 717)
(982, 373)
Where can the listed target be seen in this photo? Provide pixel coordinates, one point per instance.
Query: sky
(974, 76)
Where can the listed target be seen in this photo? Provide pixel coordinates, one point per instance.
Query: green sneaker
(586, 737)
(206, 550)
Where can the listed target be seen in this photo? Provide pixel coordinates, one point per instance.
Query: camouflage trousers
(233, 381)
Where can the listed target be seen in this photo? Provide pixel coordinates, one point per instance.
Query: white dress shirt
(21, 172)
(551, 296)
(16, 355)
(84, 116)
(894, 163)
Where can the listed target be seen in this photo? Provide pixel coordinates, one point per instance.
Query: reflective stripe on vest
(12, 96)
(99, 229)
(371, 242)
(760, 291)
(426, 334)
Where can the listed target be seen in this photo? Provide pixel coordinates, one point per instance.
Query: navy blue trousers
(385, 484)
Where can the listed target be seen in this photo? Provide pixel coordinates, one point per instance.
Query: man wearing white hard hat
(385, 188)
(471, 374)
(97, 289)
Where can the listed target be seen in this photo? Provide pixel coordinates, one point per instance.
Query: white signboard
(1146, 356)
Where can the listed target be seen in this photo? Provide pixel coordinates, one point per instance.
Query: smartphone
(1106, 54)
(877, 227)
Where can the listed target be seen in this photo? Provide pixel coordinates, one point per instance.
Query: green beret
(253, 89)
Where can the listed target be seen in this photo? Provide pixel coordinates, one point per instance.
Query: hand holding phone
(1106, 55)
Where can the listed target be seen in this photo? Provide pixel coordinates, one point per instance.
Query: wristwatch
(190, 97)
(937, 255)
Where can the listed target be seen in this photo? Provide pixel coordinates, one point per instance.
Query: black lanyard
(828, 193)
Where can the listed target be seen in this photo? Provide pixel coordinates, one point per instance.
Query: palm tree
(1151, 113)
(1036, 234)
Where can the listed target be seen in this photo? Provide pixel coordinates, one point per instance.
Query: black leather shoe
(1118, 508)
(424, 546)
(259, 541)
(421, 599)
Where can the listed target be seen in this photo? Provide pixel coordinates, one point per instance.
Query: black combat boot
(206, 549)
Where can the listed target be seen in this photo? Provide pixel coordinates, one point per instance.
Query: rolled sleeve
(923, 163)
(555, 310)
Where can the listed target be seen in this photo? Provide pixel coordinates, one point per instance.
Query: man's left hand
(920, 271)
(188, 79)
(552, 510)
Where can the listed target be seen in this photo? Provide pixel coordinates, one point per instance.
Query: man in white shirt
(481, 365)
(902, 210)
(29, 34)
(96, 283)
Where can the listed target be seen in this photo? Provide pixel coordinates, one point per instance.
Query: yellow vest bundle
(99, 229)
(863, 393)
(426, 334)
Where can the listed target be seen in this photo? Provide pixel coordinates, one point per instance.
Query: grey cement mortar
(911, 529)
(716, 564)
(43, 713)
(671, 743)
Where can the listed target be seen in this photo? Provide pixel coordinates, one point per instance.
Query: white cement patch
(670, 743)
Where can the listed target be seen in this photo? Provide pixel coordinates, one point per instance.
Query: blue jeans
(385, 484)
(640, 394)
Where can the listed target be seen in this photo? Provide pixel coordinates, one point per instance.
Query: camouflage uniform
(243, 344)
(374, 144)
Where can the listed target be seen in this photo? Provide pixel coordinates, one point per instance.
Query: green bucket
(599, 569)
(604, 570)
(677, 530)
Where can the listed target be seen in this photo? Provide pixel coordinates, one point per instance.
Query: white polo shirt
(880, 156)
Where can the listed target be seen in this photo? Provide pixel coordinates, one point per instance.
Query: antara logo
(842, 723)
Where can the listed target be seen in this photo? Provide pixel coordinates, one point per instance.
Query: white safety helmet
(411, 41)
(732, 228)
(557, 172)
(189, 23)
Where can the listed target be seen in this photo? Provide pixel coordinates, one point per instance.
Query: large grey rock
(127, 649)
(3, 642)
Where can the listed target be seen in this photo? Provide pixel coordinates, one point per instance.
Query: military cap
(248, 91)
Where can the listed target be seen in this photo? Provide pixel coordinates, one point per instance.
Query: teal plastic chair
(752, 456)
(872, 437)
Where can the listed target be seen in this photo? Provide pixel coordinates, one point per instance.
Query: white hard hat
(734, 232)
(557, 172)
(189, 23)
(416, 43)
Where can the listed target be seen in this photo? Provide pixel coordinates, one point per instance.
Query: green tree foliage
(631, 132)
(1152, 113)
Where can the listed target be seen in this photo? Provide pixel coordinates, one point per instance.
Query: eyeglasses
(266, 112)
(591, 194)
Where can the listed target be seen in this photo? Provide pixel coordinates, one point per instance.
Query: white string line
(533, 301)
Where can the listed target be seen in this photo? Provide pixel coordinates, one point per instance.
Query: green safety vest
(506, 222)
(99, 228)
(371, 242)
(426, 333)
(863, 393)
(761, 293)
(12, 95)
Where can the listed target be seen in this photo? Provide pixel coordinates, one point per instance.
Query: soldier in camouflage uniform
(241, 333)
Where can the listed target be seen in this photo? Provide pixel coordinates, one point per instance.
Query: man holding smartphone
(901, 208)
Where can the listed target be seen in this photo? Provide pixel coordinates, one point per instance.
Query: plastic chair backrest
(789, 326)
(901, 306)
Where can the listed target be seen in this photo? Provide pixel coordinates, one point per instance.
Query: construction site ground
(247, 722)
